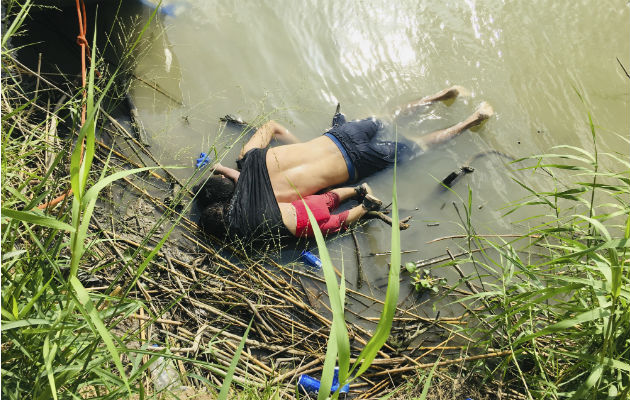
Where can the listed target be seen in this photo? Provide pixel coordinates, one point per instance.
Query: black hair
(213, 219)
(213, 199)
(216, 189)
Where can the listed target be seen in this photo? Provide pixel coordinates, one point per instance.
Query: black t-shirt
(253, 210)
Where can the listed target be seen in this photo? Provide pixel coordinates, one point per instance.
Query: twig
(158, 89)
(139, 284)
(253, 359)
(622, 67)
(160, 320)
(386, 253)
(136, 122)
(378, 214)
(257, 314)
(127, 160)
(465, 236)
(192, 349)
(359, 261)
(298, 371)
(122, 129)
(461, 274)
(443, 363)
(435, 260)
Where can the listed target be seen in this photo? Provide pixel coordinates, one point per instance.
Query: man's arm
(228, 172)
(264, 134)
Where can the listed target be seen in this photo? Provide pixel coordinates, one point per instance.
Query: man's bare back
(305, 168)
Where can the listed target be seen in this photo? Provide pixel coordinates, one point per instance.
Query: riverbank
(90, 302)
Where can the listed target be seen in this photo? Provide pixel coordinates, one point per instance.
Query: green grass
(561, 301)
(57, 337)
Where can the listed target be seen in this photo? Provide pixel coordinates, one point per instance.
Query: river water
(294, 60)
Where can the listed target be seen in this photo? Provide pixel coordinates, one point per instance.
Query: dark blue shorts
(370, 145)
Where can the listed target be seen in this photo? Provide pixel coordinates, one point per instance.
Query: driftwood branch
(359, 261)
(402, 224)
(136, 122)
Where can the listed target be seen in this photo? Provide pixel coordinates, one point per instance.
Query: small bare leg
(433, 139)
(354, 215)
(370, 203)
(344, 193)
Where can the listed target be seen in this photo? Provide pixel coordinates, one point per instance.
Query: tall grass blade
(386, 319)
(225, 387)
(325, 383)
(589, 383)
(6, 326)
(17, 22)
(337, 306)
(427, 382)
(32, 301)
(37, 218)
(89, 311)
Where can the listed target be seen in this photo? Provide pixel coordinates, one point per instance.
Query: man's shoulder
(252, 155)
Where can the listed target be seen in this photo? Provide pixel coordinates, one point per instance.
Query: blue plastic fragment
(307, 384)
(203, 160)
(311, 259)
(335, 383)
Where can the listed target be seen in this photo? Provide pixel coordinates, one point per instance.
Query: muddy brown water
(293, 61)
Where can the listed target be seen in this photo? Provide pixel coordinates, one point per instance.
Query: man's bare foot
(483, 112)
(446, 94)
(461, 91)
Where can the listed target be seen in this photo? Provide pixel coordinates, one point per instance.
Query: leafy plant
(338, 346)
(423, 280)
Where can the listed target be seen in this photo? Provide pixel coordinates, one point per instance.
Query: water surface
(293, 61)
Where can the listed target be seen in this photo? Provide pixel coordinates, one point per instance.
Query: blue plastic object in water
(203, 160)
(308, 384)
(335, 383)
(311, 259)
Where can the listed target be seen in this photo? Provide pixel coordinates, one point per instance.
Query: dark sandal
(361, 191)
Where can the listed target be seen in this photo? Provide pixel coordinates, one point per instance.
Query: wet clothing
(253, 210)
(346, 156)
(371, 145)
(321, 206)
(367, 145)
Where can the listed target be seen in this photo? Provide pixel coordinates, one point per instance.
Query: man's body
(295, 170)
